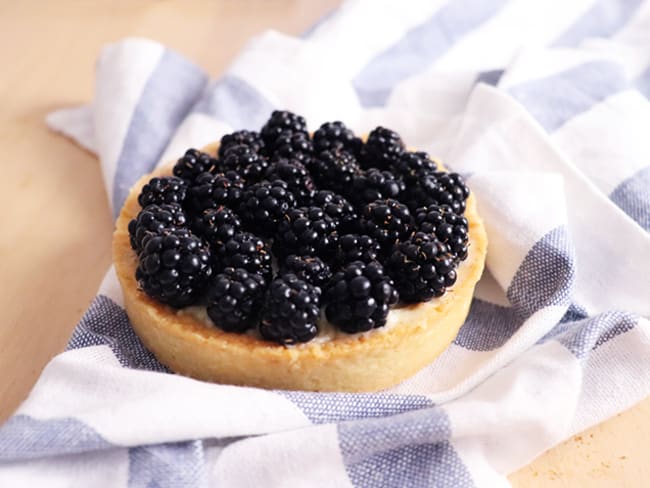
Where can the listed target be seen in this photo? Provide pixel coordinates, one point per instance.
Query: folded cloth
(552, 138)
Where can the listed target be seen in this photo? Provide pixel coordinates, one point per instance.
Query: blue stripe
(235, 102)
(633, 197)
(23, 437)
(172, 89)
(554, 100)
(546, 275)
(603, 19)
(586, 335)
(487, 326)
(171, 465)
(106, 323)
(410, 449)
(490, 77)
(643, 83)
(335, 407)
(574, 313)
(420, 47)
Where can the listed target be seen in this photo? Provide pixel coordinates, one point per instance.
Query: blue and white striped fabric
(543, 105)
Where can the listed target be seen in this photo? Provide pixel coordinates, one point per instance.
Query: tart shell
(358, 362)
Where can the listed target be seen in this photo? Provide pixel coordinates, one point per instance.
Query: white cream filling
(326, 330)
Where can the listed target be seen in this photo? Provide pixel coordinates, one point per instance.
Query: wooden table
(56, 226)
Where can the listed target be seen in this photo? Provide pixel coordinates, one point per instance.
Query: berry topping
(214, 190)
(154, 219)
(372, 185)
(437, 188)
(192, 164)
(294, 145)
(235, 298)
(336, 207)
(174, 267)
(382, 148)
(448, 227)
(216, 225)
(169, 189)
(359, 297)
(244, 161)
(421, 267)
(334, 135)
(281, 121)
(334, 170)
(264, 205)
(307, 268)
(298, 179)
(354, 247)
(291, 310)
(305, 231)
(387, 221)
(250, 139)
(247, 251)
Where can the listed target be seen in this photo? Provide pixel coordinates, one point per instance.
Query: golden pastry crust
(358, 362)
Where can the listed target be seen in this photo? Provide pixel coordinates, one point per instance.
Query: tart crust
(359, 362)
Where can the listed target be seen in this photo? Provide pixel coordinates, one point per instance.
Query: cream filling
(327, 331)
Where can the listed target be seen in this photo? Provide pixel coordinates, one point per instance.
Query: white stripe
(104, 469)
(90, 385)
(609, 143)
(514, 415)
(111, 288)
(293, 459)
(364, 29)
(626, 359)
(485, 143)
(138, 58)
(520, 22)
(197, 130)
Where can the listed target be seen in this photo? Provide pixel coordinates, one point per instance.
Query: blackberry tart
(355, 304)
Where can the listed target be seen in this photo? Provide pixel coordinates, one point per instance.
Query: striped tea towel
(543, 105)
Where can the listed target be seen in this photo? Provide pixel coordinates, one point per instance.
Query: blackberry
(247, 251)
(437, 188)
(359, 296)
(305, 231)
(173, 267)
(410, 164)
(382, 148)
(234, 299)
(168, 189)
(422, 268)
(214, 190)
(294, 145)
(192, 164)
(250, 139)
(291, 310)
(387, 221)
(335, 135)
(334, 170)
(216, 225)
(154, 219)
(279, 122)
(372, 185)
(310, 269)
(450, 228)
(336, 207)
(264, 205)
(297, 177)
(244, 161)
(355, 247)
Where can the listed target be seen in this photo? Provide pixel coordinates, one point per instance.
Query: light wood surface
(56, 226)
